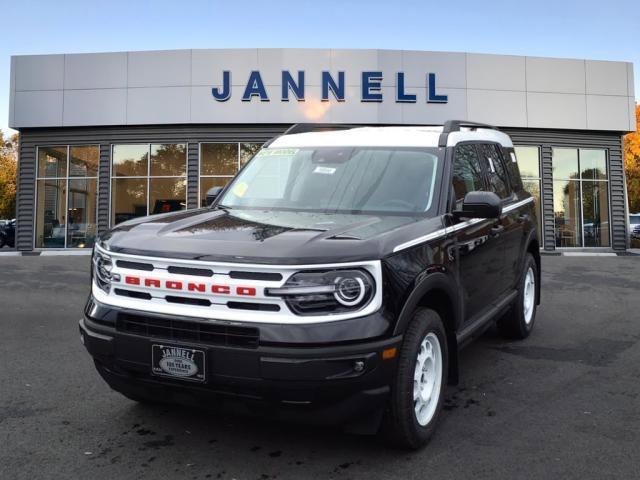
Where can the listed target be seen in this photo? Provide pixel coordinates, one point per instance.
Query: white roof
(387, 137)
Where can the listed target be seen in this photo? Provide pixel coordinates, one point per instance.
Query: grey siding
(612, 141)
(105, 137)
(194, 134)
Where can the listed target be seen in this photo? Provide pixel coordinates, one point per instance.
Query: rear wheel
(2, 241)
(519, 320)
(418, 389)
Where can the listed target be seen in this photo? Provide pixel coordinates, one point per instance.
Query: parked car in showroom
(8, 233)
(333, 280)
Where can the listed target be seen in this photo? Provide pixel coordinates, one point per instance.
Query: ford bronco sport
(334, 279)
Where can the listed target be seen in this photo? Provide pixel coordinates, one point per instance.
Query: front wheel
(418, 389)
(519, 320)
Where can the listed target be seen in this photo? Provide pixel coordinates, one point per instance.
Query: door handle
(496, 230)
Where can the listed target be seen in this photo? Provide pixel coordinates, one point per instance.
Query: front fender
(439, 281)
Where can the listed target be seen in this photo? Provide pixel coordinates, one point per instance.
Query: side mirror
(480, 205)
(212, 194)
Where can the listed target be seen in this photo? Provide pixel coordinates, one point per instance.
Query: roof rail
(312, 127)
(317, 127)
(454, 126)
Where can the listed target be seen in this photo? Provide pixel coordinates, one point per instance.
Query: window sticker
(240, 189)
(325, 170)
(277, 152)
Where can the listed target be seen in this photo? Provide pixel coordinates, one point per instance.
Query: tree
(8, 175)
(632, 165)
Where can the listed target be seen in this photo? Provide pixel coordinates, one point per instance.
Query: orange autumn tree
(632, 165)
(8, 165)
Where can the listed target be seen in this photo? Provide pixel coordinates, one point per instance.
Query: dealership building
(105, 137)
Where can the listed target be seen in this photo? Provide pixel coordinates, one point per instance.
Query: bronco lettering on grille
(190, 286)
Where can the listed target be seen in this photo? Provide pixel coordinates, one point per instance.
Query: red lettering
(196, 287)
(151, 282)
(131, 280)
(174, 285)
(246, 291)
(223, 289)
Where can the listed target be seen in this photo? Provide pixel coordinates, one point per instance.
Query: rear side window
(492, 158)
(467, 171)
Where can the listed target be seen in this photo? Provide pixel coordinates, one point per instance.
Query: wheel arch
(437, 292)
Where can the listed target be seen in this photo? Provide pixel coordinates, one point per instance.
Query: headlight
(102, 267)
(326, 292)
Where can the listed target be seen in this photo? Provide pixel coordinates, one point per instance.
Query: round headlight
(349, 291)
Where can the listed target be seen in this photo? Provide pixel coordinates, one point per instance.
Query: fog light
(358, 366)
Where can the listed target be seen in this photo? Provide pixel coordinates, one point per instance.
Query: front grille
(198, 332)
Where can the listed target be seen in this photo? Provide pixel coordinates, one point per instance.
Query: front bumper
(331, 383)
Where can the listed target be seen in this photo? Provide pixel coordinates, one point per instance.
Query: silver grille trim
(161, 284)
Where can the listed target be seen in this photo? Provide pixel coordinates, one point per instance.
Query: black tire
(401, 424)
(2, 241)
(514, 323)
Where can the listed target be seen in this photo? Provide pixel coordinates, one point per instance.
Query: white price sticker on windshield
(325, 170)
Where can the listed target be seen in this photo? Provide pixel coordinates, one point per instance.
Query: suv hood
(256, 236)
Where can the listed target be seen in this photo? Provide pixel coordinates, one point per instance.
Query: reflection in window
(566, 208)
(528, 159)
(209, 182)
(81, 227)
(147, 179)
(51, 216)
(495, 169)
(52, 162)
(219, 163)
(84, 161)
(67, 205)
(467, 174)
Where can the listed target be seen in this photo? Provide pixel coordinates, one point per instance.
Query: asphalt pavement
(564, 403)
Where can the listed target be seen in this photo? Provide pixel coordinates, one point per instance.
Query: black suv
(333, 280)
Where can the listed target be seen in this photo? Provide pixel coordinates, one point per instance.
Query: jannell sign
(371, 88)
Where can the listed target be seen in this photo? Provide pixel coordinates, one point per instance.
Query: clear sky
(554, 28)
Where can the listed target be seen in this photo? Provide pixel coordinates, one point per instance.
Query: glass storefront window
(219, 159)
(147, 179)
(219, 162)
(565, 163)
(52, 162)
(130, 160)
(208, 182)
(168, 159)
(247, 151)
(528, 158)
(84, 161)
(51, 213)
(167, 195)
(566, 210)
(81, 214)
(128, 199)
(581, 198)
(66, 190)
(593, 164)
(595, 213)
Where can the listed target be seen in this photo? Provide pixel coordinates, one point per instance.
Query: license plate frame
(177, 362)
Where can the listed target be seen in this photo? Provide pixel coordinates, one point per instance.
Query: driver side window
(467, 172)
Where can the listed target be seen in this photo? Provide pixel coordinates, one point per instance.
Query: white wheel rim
(529, 296)
(427, 379)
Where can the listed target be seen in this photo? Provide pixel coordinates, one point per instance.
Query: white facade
(175, 87)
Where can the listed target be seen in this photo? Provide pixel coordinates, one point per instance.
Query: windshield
(634, 219)
(337, 179)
